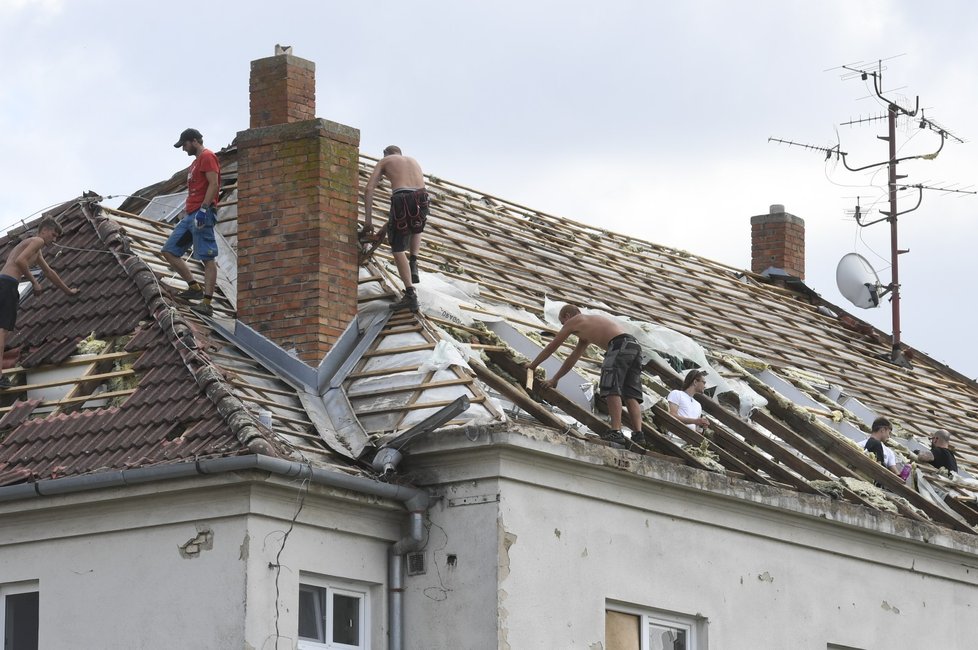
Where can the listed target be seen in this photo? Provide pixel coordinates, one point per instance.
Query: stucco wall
(112, 573)
(767, 568)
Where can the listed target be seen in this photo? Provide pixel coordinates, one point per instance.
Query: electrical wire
(277, 565)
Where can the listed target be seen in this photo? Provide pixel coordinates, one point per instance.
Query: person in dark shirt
(939, 455)
(880, 433)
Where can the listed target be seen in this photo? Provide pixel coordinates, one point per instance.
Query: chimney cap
(776, 208)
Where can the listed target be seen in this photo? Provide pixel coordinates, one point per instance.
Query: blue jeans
(188, 232)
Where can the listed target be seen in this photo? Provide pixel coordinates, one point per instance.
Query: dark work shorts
(408, 216)
(621, 372)
(9, 300)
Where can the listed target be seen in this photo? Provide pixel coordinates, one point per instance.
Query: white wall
(111, 574)
(768, 568)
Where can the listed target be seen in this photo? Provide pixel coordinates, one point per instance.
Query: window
(332, 615)
(631, 628)
(19, 623)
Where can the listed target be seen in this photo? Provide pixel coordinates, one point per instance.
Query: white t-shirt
(889, 458)
(688, 407)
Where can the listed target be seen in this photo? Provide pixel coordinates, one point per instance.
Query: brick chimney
(297, 213)
(778, 240)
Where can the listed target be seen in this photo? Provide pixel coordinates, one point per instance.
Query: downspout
(395, 576)
(415, 500)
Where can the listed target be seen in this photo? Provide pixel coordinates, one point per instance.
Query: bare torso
(402, 172)
(11, 266)
(595, 329)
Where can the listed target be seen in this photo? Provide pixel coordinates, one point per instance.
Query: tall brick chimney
(778, 240)
(297, 213)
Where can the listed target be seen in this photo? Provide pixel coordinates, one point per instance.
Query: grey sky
(649, 118)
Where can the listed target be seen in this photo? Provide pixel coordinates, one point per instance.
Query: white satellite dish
(858, 282)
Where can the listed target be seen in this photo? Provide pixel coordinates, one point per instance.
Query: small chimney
(778, 240)
(298, 186)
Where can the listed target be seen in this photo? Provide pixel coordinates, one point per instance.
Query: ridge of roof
(180, 335)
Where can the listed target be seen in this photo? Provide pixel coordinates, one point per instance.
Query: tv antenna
(855, 273)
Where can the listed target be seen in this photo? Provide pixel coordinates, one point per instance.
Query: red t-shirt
(205, 162)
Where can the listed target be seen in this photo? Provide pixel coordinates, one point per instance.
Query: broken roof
(795, 380)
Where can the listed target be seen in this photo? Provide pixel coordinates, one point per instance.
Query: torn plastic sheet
(656, 338)
(372, 289)
(442, 357)
(503, 311)
(749, 399)
(369, 393)
(476, 413)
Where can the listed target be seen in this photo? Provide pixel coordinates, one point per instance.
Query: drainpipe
(395, 576)
(415, 500)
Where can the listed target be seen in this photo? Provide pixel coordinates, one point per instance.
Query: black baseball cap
(188, 134)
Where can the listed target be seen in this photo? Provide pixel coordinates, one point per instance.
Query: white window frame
(12, 589)
(694, 626)
(336, 587)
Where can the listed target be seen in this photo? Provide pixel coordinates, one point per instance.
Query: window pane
(20, 621)
(663, 637)
(311, 613)
(346, 620)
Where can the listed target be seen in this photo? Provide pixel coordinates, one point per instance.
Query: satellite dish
(858, 282)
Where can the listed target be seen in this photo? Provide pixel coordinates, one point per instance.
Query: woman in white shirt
(683, 406)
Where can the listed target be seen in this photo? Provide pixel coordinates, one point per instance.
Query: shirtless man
(17, 268)
(620, 373)
(408, 215)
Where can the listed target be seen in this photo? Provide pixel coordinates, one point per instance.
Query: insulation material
(372, 289)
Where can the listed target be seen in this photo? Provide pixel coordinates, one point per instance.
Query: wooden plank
(588, 419)
(517, 396)
(406, 389)
(381, 372)
(416, 406)
(74, 380)
(385, 352)
(693, 437)
(859, 462)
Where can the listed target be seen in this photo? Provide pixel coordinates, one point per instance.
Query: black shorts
(621, 372)
(409, 214)
(9, 300)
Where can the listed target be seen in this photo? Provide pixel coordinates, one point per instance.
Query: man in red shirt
(197, 225)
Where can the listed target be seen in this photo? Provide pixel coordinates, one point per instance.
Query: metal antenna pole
(894, 248)
(894, 110)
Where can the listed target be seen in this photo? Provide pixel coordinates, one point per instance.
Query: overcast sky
(649, 118)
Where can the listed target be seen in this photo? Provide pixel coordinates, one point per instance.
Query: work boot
(639, 440)
(191, 293)
(615, 437)
(408, 301)
(204, 309)
(413, 262)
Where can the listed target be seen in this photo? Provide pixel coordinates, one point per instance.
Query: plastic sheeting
(656, 338)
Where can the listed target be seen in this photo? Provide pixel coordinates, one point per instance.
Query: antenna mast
(893, 111)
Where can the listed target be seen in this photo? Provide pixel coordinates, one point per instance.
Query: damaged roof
(794, 380)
